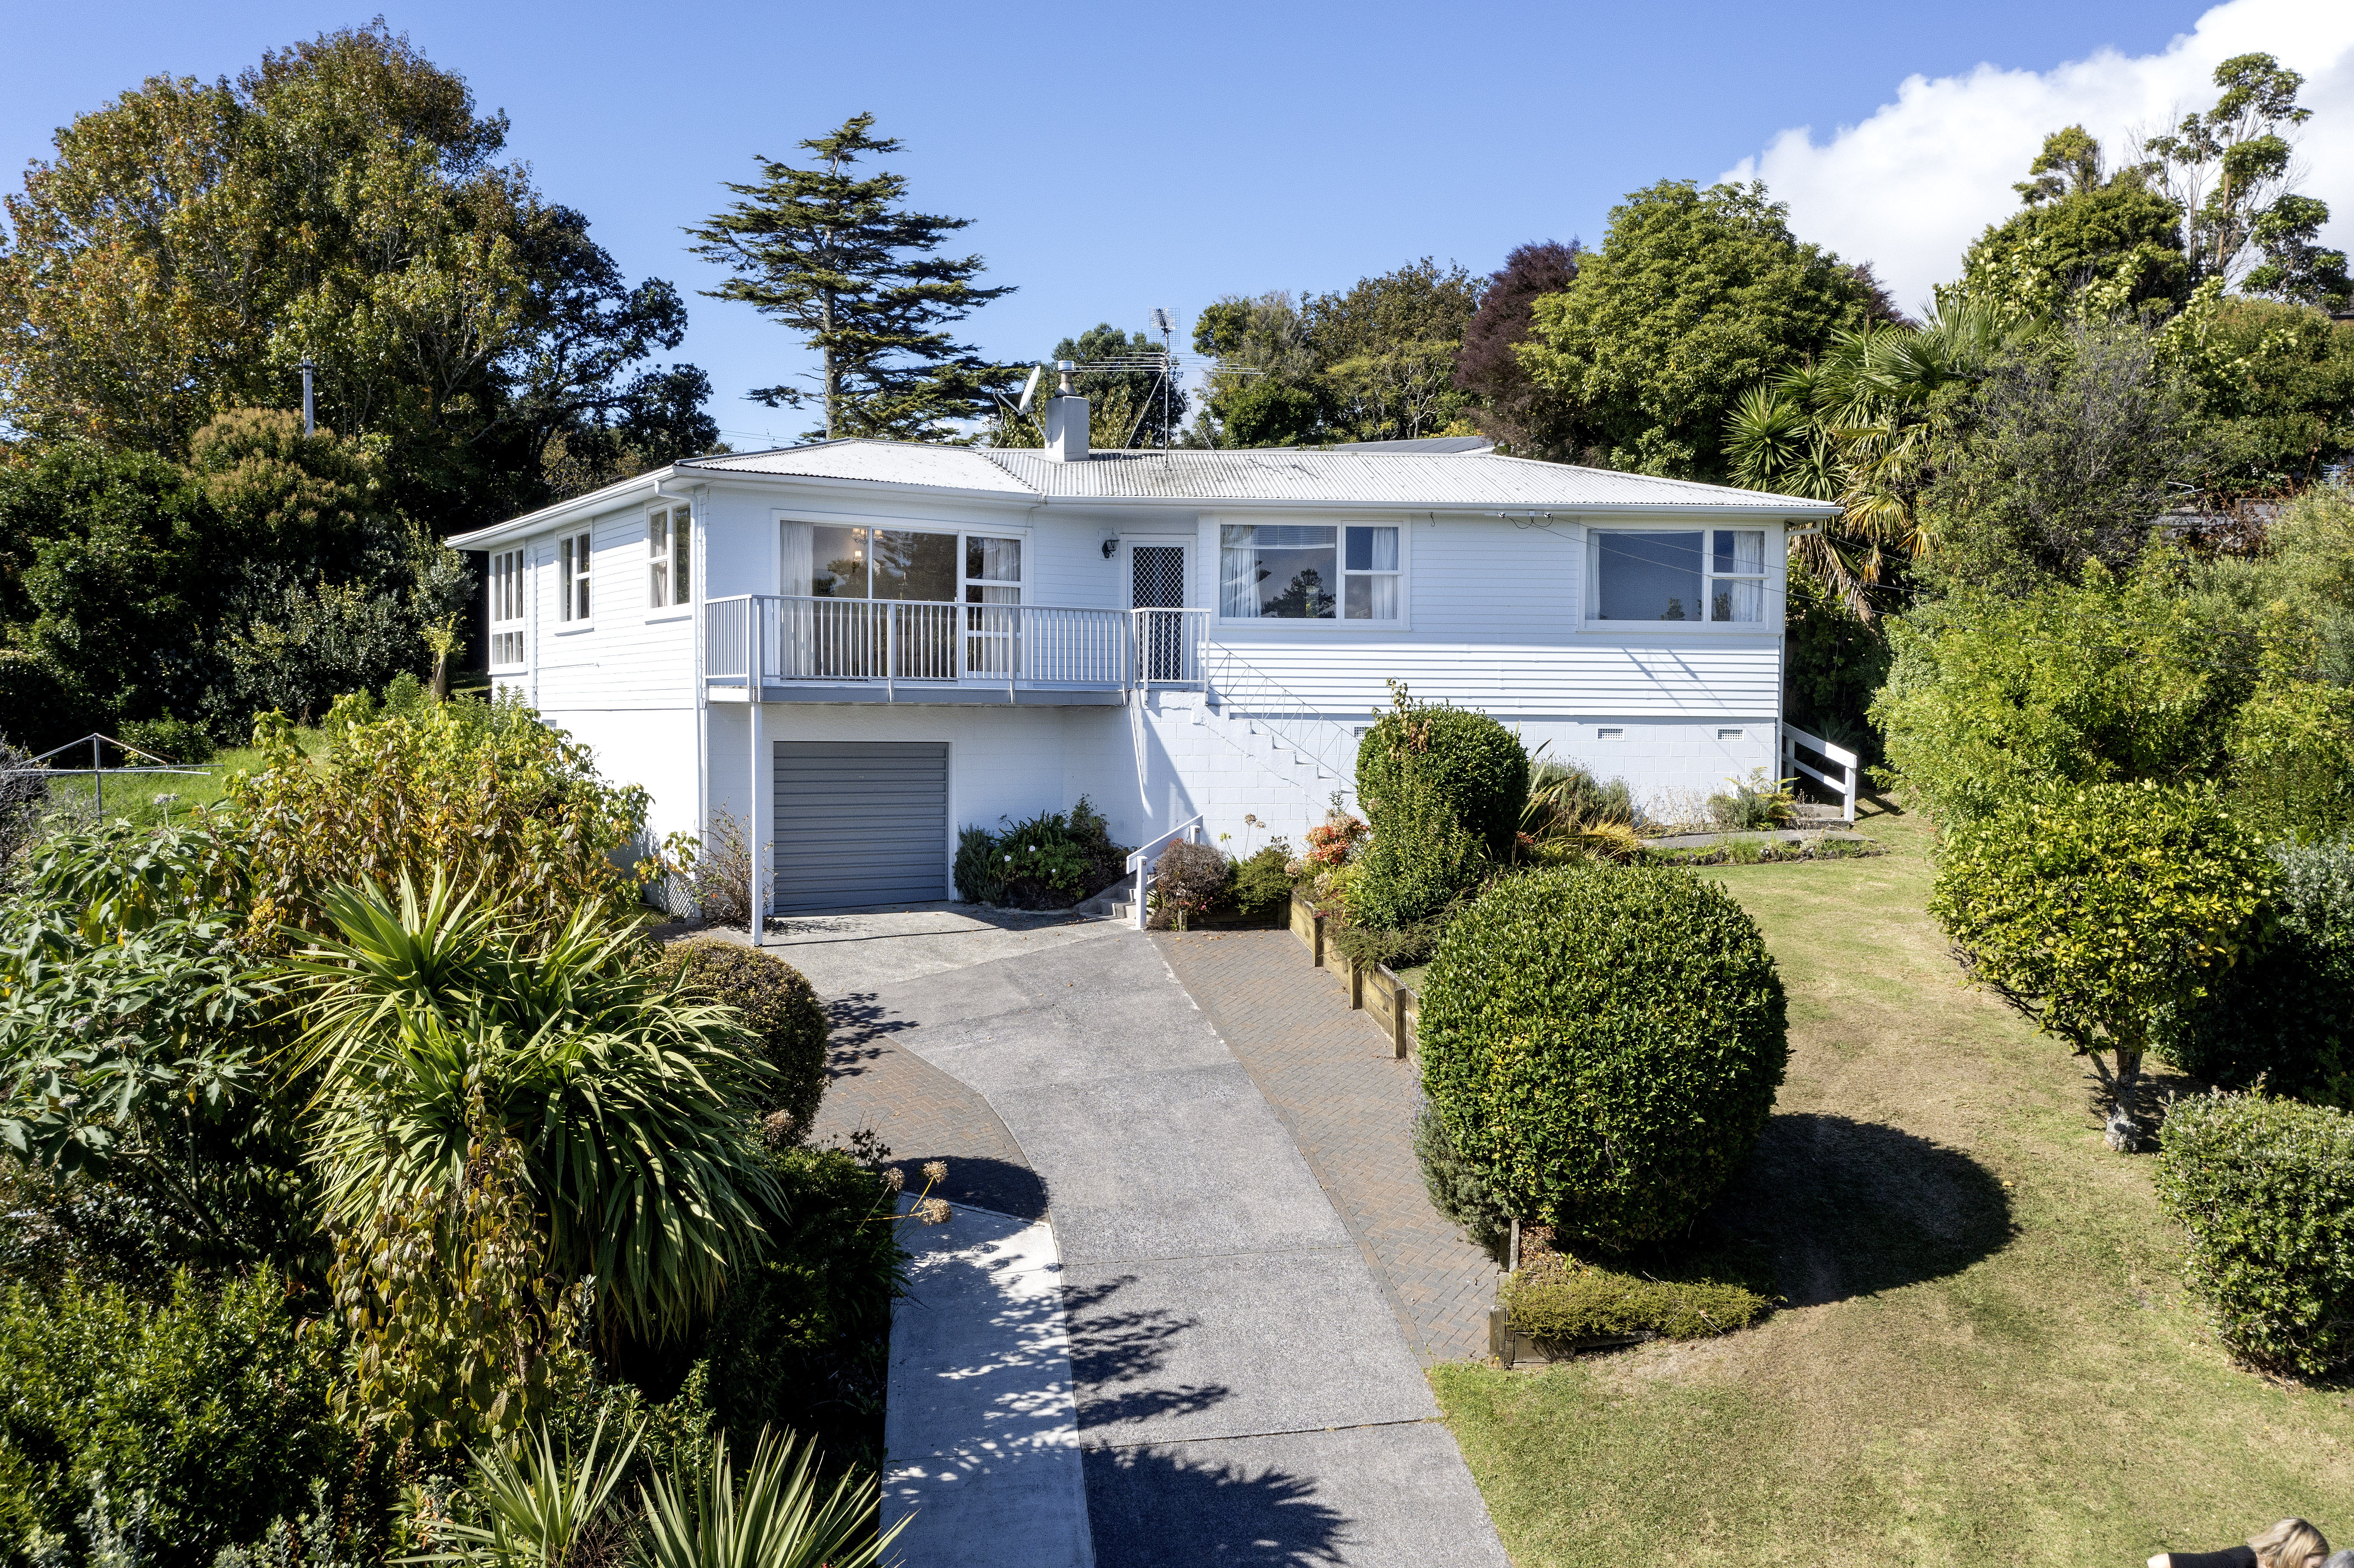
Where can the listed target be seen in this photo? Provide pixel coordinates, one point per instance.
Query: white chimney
(1065, 423)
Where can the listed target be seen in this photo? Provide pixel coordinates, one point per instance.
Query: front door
(1156, 590)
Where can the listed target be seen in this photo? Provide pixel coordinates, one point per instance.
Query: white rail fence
(1794, 765)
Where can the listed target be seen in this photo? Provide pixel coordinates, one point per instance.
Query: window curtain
(1373, 550)
(1743, 551)
(1238, 572)
(795, 555)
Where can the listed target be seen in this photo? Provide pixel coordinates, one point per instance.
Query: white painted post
(756, 907)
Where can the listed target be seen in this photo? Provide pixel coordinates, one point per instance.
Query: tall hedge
(2265, 1189)
(1477, 766)
(2286, 1013)
(1603, 1044)
(1421, 860)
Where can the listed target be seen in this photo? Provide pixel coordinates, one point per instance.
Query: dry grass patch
(1987, 1357)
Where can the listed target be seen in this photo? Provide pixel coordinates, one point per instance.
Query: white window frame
(1338, 620)
(507, 590)
(962, 534)
(576, 570)
(670, 560)
(1768, 578)
(658, 558)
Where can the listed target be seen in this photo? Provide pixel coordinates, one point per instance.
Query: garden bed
(1756, 848)
(1372, 987)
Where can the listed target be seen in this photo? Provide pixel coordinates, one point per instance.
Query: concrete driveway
(1187, 1359)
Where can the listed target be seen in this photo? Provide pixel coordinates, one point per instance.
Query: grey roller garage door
(861, 821)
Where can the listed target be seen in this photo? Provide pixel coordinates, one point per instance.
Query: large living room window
(1305, 572)
(911, 564)
(959, 597)
(1696, 574)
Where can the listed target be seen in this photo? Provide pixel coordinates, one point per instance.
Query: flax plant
(611, 1086)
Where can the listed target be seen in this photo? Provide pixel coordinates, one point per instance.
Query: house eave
(620, 492)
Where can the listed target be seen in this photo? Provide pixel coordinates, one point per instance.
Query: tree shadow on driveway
(1152, 1508)
(1117, 1353)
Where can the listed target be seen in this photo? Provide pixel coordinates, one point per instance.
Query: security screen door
(1157, 582)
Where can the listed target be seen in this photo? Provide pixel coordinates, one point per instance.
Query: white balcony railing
(783, 639)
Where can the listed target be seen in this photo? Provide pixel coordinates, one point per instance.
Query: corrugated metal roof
(1271, 474)
(884, 463)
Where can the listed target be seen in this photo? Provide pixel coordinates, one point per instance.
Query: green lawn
(146, 797)
(1989, 1358)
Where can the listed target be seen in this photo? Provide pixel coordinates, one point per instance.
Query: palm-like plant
(778, 1519)
(606, 1081)
(1864, 427)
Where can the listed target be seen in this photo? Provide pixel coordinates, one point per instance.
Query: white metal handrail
(784, 638)
(1144, 860)
(1243, 688)
(1846, 761)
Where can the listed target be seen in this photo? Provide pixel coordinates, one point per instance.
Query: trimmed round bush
(2267, 1189)
(1479, 768)
(780, 1010)
(1603, 1043)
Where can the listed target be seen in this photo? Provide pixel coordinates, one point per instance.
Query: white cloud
(1910, 187)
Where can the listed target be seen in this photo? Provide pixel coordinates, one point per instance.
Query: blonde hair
(2291, 1543)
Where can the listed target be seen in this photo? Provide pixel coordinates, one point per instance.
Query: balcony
(806, 650)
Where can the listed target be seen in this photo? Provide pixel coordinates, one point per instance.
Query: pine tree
(837, 259)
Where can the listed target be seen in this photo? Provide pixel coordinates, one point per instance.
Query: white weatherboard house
(863, 646)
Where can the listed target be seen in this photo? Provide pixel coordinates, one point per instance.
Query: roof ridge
(989, 453)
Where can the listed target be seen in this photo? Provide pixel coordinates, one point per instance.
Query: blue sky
(1118, 158)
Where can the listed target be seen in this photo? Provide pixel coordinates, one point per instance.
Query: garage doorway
(860, 823)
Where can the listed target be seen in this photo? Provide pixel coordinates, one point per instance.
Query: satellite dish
(1030, 389)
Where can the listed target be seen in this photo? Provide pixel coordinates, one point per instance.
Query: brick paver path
(922, 1114)
(1330, 1076)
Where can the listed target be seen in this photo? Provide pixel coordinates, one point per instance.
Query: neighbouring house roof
(1454, 473)
(1420, 444)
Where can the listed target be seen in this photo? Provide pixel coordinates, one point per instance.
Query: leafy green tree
(2069, 449)
(1387, 347)
(838, 260)
(2230, 172)
(1153, 406)
(190, 244)
(2079, 227)
(1132, 407)
(1276, 397)
(1373, 362)
(269, 570)
(1994, 694)
(2269, 385)
(2091, 909)
(1694, 297)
